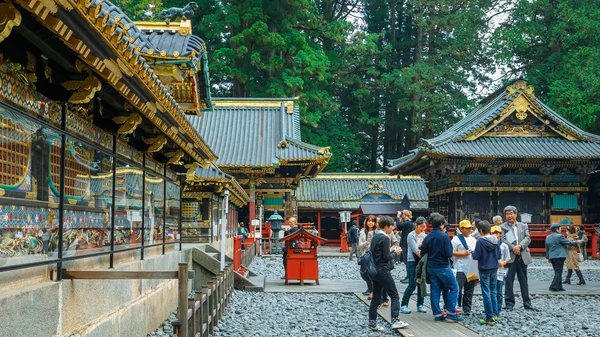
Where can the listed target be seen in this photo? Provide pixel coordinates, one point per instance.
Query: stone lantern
(276, 220)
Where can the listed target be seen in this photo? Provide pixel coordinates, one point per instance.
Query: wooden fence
(204, 309)
(199, 314)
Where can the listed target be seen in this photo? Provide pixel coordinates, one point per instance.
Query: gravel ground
(296, 315)
(330, 268)
(166, 329)
(556, 316)
(339, 268)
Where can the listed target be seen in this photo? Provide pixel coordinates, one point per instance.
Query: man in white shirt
(463, 245)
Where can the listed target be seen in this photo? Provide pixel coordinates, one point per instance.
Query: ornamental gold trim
(10, 17)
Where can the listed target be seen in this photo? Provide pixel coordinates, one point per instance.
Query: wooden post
(209, 300)
(192, 304)
(204, 314)
(198, 313)
(182, 308)
(319, 223)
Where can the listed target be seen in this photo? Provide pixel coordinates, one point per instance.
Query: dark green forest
(375, 76)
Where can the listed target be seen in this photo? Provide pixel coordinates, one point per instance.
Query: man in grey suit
(556, 253)
(516, 236)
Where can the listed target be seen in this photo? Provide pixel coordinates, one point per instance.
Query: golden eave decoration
(10, 17)
(112, 71)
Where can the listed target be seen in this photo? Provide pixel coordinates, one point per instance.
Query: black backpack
(367, 265)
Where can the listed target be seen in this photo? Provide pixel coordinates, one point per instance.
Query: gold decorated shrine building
(510, 150)
(96, 153)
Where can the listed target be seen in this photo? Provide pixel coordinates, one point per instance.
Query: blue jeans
(499, 297)
(412, 285)
(488, 292)
(443, 277)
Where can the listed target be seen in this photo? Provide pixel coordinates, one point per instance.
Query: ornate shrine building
(96, 154)
(262, 149)
(511, 150)
(320, 199)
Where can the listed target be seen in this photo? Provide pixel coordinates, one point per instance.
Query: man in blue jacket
(556, 253)
(487, 253)
(438, 248)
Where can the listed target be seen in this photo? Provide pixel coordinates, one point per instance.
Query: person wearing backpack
(382, 280)
(463, 245)
(352, 238)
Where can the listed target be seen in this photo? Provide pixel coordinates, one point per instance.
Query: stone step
(258, 283)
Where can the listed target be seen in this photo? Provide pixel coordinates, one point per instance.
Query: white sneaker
(376, 328)
(399, 325)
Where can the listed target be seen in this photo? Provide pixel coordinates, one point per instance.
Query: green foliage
(556, 45)
(372, 77)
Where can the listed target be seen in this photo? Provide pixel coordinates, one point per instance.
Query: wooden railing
(206, 307)
(248, 254)
(199, 313)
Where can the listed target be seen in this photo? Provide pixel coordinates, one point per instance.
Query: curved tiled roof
(255, 135)
(463, 138)
(352, 189)
(173, 43)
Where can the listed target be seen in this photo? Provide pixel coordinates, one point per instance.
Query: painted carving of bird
(156, 144)
(175, 157)
(130, 123)
(85, 89)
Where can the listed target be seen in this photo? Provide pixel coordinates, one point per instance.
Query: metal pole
(61, 202)
(179, 226)
(165, 196)
(224, 228)
(143, 202)
(260, 219)
(113, 199)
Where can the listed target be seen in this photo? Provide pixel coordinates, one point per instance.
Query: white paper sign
(501, 273)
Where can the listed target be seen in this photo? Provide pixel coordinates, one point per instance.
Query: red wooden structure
(237, 253)
(302, 261)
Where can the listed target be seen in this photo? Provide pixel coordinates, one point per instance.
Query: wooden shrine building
(261, 147)
(320, 199)
(511, 150)
(95, 147)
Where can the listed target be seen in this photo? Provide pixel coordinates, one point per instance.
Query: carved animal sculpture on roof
(173, 13)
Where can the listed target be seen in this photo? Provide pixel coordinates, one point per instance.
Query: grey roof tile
(251, 135)
(354, 189)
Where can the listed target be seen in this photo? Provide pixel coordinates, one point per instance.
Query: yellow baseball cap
(465, 224)
(496, 229)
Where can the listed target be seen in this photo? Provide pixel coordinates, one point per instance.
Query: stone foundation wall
(33, 305)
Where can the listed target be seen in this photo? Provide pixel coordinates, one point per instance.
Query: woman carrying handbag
(574, 257)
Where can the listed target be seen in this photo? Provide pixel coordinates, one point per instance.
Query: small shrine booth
(510, 150)
(302, 263)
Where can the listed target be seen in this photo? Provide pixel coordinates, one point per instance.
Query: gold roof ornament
(175, 157)
(85, 89)
(130, 123)
(156, 144)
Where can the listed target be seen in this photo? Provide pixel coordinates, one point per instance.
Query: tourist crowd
(480, 253)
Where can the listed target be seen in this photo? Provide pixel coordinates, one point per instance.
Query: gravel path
(556, 316)
(339, 268)
(296, 315)
(330, 268)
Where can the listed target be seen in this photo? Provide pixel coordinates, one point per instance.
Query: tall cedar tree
(556, 45)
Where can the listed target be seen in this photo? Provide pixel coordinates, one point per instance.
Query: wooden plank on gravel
(423, 325)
